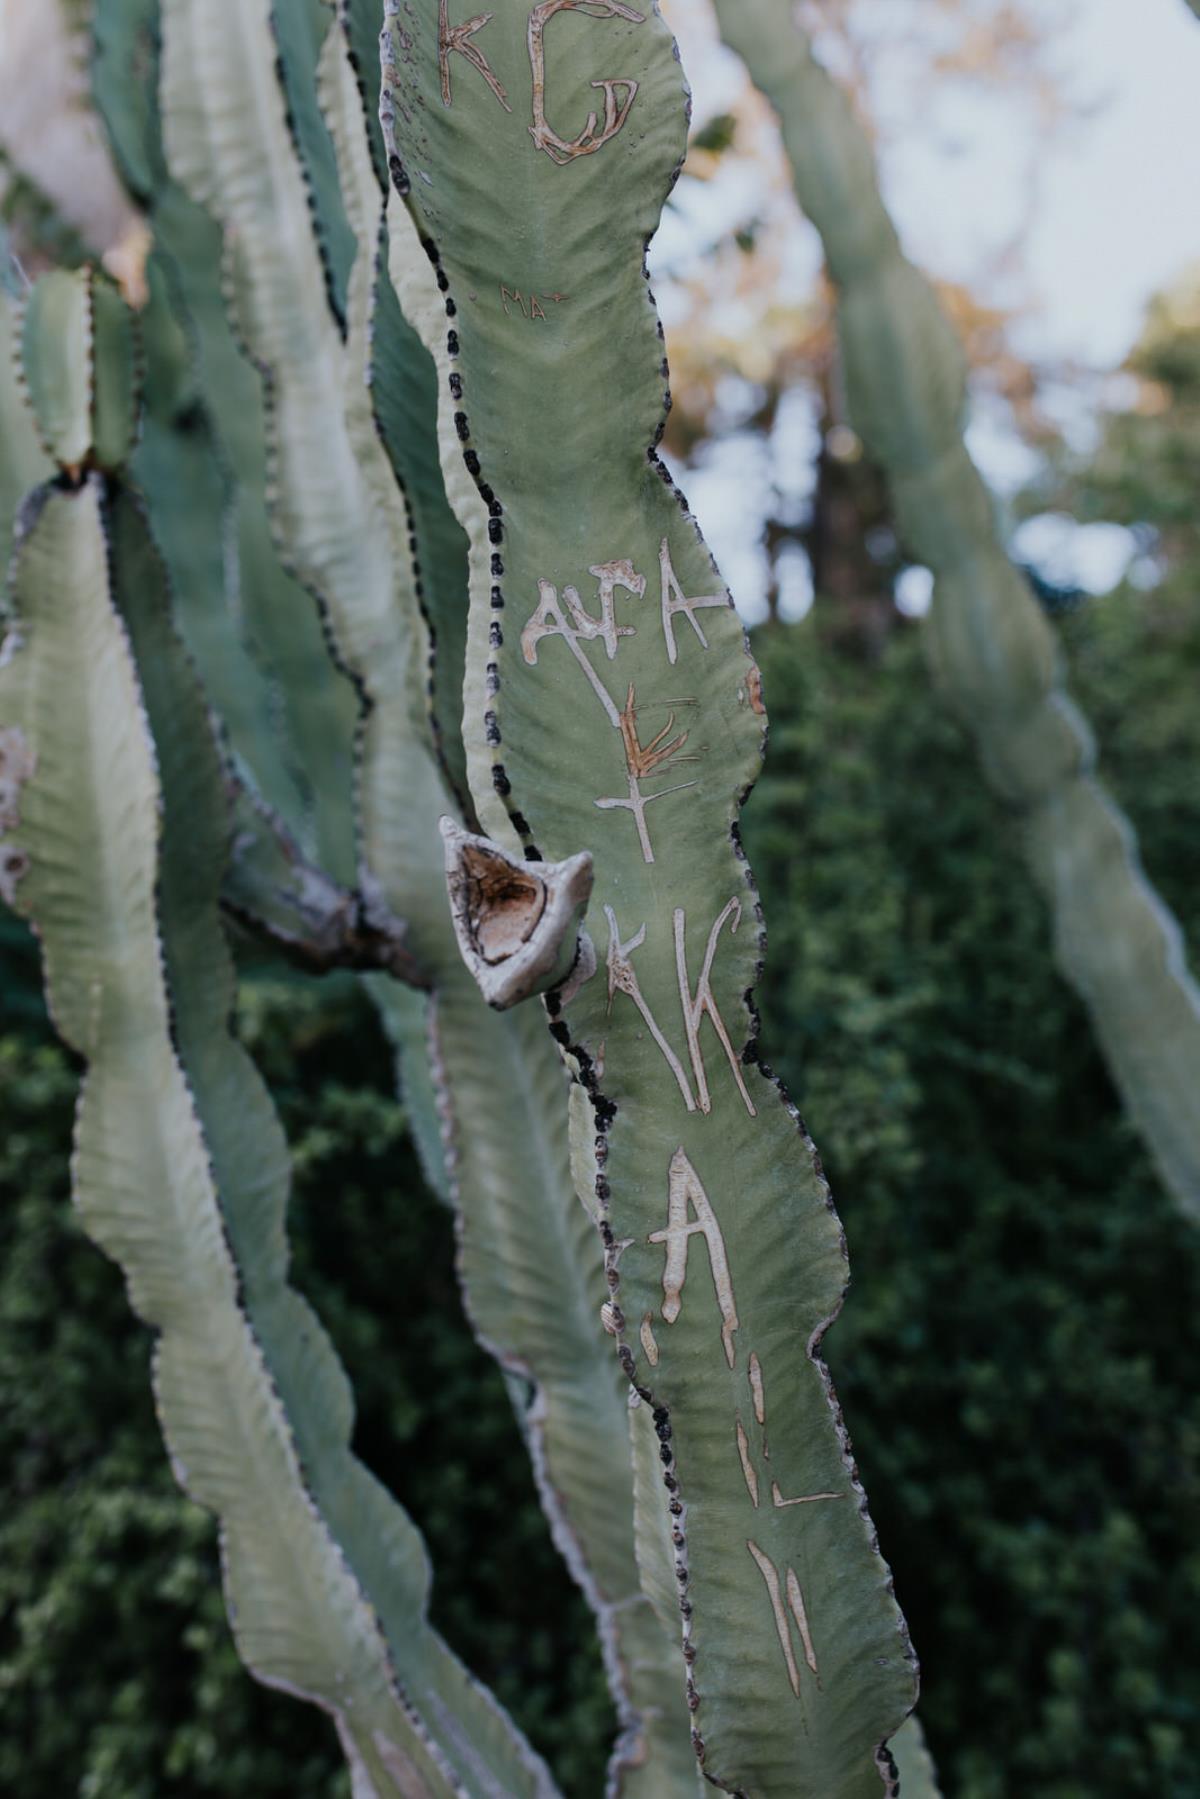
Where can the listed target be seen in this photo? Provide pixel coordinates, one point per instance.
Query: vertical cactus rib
(403, 380)
(203, 464)
(534, 148)
(23, 462)
(300, 28)
(342, 525)
(114, 848)
(994, 652)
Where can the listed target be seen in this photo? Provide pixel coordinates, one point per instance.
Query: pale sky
(1120, 207)
(1117, 218)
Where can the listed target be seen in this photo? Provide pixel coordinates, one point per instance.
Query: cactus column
(610, 706)
(113, 834)
(357, 542)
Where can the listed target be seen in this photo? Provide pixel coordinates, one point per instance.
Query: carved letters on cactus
(570, 619)
(619, 92)
(674, 600)
(542, 756)
(795, 1605)
(457, 38)
(623, 979)
(685, 1191)
(616, 111)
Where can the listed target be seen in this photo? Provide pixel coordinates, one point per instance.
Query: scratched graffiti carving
(622, 978)
(642, 760)
(535, 308)
(690, 1213)
(675, 601)
(619, 92)
(685, 1193)
(455, 40)
(567, 616)
(697, 1005)
(794, 1611)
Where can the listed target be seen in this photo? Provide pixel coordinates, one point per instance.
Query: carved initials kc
(619, 91)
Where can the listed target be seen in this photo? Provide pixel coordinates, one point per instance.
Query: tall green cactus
(993, 650)
(722, 1516)
(204, 465)
(610, 707)
(114, 836)
(342, 525)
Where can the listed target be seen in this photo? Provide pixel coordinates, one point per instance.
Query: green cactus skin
(498, 1085)
(300, 28)
(994, 653)
(798, 1667)
(403, 380)
(82, 404)
(204, 466)
(114, 839)
(23, 463)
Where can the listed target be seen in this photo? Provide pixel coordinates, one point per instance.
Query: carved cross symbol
(641, 760)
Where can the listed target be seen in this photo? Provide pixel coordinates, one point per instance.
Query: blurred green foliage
(118, 1678)
(1018, 1357)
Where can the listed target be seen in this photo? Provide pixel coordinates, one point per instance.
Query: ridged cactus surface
(372, 552)
(114, 834)
(611, 707)
(994, 651)
(205, 465)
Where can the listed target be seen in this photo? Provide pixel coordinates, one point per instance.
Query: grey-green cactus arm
(403, 380)
(23, 461)
(114, 828)
(204, 465)
(342, 525)
(273, 891)
(993, 650)
(610, 707)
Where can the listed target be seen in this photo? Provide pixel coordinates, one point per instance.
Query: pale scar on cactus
(724, 1260)
(993, 649)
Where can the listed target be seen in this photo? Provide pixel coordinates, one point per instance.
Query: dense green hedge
(1018, 1357)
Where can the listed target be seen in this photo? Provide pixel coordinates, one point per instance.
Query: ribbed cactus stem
(994, 651)
(369, 551)
(204, 463)
(610, 708)
(113, 837)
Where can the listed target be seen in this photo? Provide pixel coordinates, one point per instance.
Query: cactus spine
(610, 706)
(993, 651)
